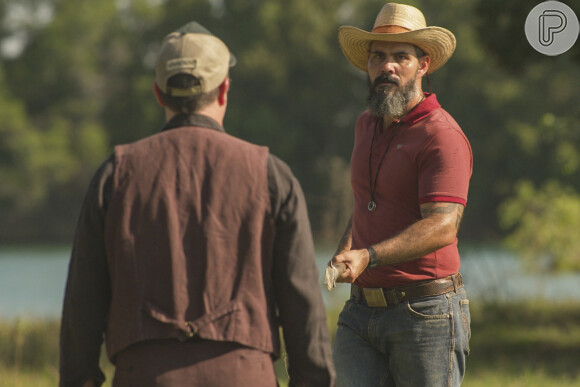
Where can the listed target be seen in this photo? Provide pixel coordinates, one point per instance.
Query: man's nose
(389, 67)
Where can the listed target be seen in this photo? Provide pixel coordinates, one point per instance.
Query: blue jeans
(417, 343)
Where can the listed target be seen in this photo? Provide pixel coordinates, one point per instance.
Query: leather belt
(382, 297)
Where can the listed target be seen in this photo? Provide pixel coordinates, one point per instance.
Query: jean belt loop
(454, 279)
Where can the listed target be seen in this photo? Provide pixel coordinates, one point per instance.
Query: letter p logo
(552, 28)
(552, 22)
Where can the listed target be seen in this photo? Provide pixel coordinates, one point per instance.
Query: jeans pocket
(466, 317)
(429, 308)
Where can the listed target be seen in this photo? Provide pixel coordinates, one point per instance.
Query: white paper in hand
(331, 274)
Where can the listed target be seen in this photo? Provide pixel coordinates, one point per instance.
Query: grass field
(535, 344)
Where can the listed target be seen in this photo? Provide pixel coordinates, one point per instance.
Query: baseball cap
(192, 49)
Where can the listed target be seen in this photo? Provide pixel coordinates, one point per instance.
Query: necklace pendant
(372, 206)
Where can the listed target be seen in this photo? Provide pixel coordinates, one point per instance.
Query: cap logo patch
(181, 63)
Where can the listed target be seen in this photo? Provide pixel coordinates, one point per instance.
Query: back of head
(191, 65)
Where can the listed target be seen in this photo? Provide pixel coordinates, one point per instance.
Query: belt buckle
(375, 297)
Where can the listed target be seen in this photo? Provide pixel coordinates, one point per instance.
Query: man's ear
(224, 88)
(424, 63)
(158, 93)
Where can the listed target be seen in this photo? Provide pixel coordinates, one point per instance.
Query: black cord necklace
(372, 206)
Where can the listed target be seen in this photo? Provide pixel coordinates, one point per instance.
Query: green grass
(29, 353)
(528, 344)
(531, 344)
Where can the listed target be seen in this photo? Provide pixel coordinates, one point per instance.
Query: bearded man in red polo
(407, 320)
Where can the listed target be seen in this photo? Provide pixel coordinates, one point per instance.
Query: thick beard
(393, 104)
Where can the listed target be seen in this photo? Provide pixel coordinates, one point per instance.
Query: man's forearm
(345, 242)
(418, 240)
(414, 242)
(437, 229)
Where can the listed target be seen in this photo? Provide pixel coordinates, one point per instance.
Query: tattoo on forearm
(444, 208)
(459, 216)
(437, 208)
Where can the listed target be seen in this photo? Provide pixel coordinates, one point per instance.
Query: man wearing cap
(192, 248)
(407, 321)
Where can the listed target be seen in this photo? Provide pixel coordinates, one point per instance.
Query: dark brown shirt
(138, 273)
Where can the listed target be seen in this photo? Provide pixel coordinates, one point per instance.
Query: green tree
(82, 84)
(20, 166)
(55, 85)
(545, 224)
(540, 121)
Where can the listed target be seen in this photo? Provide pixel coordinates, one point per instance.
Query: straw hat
(398, 23)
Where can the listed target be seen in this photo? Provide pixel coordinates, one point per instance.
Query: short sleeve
(445, 168)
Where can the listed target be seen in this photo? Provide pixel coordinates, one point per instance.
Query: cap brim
(437, 42)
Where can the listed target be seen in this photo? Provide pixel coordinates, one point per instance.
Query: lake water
(32, 280)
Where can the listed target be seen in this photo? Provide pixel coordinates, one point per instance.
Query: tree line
(77, 80)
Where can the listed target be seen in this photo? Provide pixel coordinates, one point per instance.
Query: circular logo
(552, 28)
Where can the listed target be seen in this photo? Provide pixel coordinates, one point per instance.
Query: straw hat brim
(437, 42)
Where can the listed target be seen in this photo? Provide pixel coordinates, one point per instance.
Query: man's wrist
(373, 260)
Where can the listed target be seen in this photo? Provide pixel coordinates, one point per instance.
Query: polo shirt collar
(198, 120)
(422, 110)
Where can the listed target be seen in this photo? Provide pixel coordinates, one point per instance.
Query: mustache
(385, 78)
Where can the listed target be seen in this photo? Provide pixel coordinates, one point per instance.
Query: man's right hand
(355, 262)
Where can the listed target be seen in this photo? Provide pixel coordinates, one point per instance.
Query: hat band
(389, 29)
(175, 92)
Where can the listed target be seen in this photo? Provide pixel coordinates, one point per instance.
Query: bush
(544, 226)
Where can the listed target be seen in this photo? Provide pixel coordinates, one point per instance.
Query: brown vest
(189, 235)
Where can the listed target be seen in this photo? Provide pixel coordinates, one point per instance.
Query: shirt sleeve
(87, 293)
(445, 168)
(296, 281)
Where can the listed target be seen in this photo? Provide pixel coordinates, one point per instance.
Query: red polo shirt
(429, 160)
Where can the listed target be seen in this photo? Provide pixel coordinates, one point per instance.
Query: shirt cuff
(446, 199)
